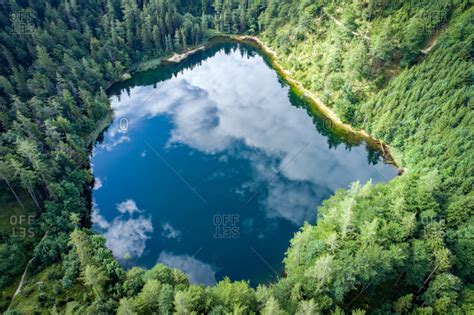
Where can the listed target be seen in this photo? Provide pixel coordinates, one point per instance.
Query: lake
(212, 165)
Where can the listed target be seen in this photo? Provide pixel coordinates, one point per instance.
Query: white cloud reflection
(128, 205)
(198, 272)
(125, 237)
(97, 218)
(211, 115)
(169, 231)
(97, 183)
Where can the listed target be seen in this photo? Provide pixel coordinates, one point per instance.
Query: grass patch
(44, 291)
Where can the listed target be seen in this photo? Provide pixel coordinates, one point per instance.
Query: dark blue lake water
(212, 165)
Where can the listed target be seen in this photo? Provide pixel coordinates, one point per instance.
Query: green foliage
(407, 83)
(147, 301)
(125, 307)
(166, 299)
(193, 299)
(70, 268)
(134, 281)
(367, 240)
(230, 294)
(272, 307)
(13, 258)
(400, 70)
(166, 275)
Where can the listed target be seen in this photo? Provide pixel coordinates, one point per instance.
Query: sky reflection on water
(220, 138)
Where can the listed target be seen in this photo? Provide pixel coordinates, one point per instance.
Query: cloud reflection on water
(125, 236)
(198, 272)
(213, 116)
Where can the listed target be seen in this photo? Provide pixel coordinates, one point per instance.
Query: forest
(400, 70)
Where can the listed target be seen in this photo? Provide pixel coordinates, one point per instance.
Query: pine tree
(177, 40)
(204, 23)
(157, 41)
(168, 43)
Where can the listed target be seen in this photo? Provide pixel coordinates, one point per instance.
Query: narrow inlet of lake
(211, 166)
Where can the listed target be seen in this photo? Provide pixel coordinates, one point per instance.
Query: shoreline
(317, 104)
(180, 57)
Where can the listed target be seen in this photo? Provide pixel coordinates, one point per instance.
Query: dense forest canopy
(401, 70)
